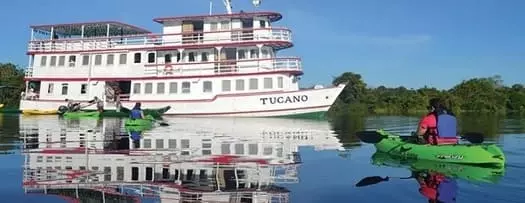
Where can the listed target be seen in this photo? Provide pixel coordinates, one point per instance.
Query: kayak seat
(446, 140)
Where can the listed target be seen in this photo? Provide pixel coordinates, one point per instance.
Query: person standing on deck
(136, 112)
(439, 126)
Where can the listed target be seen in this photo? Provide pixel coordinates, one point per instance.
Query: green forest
(476, 95)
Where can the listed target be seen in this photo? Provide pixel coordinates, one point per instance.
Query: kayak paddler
(436, 187)
(136, 112)
(439, 126)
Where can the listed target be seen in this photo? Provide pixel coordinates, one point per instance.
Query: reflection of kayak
(464, 153)
(146, 121)
(39, 112)
(137, 128)
(82, 114)
(462, 171)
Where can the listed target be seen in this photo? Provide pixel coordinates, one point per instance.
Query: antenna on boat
(228, 5)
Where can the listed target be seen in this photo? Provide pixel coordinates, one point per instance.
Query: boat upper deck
(185, 32)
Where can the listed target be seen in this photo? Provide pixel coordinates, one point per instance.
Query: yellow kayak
(1, 105)
(39, 112)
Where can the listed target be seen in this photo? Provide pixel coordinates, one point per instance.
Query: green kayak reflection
(437, 180)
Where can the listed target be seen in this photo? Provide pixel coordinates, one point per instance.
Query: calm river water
(49, 159)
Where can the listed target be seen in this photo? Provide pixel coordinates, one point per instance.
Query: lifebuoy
(168, 69)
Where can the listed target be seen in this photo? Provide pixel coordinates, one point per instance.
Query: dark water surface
(49, 159)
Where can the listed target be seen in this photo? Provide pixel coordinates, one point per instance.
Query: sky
(410, 43)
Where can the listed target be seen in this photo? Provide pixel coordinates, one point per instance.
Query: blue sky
(404, 42)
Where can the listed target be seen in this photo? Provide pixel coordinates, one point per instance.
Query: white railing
(179, 39)
(29, 72)
(225, 67)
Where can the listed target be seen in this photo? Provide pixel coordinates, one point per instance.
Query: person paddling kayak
(436, 187)
(136, 112)
(439, 126)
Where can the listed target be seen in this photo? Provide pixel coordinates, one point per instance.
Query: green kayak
(467, 172)
(146, 121)
(488, 154)
(82, 114)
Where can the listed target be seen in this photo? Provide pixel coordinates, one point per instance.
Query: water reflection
(219, 160)
(437, 180)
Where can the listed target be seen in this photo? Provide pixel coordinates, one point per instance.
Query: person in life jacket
(436, 187)
(439, 126)
(136, 112)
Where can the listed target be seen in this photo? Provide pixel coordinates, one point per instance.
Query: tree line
(476, 95)
(11, 84)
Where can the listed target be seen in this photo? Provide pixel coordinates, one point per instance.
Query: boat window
(83, 89)
(151, 58)
(207, 86)
(136, 58)
(110, 59)
(64, 88)
(173, 88)
(53, 61)
(204, 56)
(159, 143)
(50, 88)
(185, 144)
(120, 173)
(280, 82)
(254, 54)
(61, 60)
(123, 59)
(167, 58)
(85, 60)
(239, 148)
(268, 150)
(225, 25)
(165, 173)
(226, 85)
(172, 143)
(147, 144)
(179, 56)
(72, 60)
(262, 23)
(43, 60)
(239, 84)
(254, 84)
(148, 88)
(98, 60)
(264, 53)
(225, 148)
(242, 54)
(136, 88)
(160, 88)
(253, 149)
(191, 57)
(107, 173)
(134, 173)
(186, 87)
(206, 152)
(213, 26)
(268, 83)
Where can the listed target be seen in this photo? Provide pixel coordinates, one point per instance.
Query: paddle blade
(370, 181)
(163, 124)
(369, 136)
(473, 137)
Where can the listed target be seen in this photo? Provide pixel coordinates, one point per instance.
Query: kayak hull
(394, 145)
(82, 114)
(146, 122)
(39, 112)
(467, 172)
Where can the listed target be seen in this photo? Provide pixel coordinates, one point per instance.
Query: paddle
(374, 137)
(161, 123)
(371, 180)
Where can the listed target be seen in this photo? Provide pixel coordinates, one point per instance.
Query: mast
(228, 5)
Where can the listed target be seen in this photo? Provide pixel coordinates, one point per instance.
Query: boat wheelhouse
(206, 65)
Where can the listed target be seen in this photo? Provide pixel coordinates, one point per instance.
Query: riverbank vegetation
(11, 84)
(476, 95)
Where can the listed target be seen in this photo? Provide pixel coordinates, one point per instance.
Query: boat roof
(273, 16)
(92, 28)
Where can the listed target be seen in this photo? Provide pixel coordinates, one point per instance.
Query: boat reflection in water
(437, 180)
(188, 161)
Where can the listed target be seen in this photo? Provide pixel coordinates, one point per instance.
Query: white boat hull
(267, 104)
